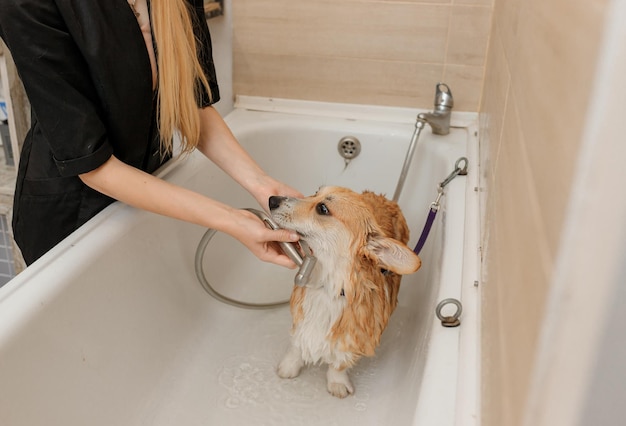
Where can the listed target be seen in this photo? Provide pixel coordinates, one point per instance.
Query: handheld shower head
(305, 263)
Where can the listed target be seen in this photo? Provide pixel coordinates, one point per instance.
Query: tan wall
(542, 57)
(368, 52)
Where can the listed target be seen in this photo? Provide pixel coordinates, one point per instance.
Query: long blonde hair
(180, 75)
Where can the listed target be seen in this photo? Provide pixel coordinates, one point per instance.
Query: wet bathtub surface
(249, 392)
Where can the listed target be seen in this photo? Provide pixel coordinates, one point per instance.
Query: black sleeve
(58, 84)
(205, 54)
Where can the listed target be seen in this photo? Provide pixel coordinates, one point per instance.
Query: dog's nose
(275, 201)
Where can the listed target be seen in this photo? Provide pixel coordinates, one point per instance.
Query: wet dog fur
(359, 241)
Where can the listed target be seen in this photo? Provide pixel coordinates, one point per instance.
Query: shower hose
(204, 242)
(208, 235)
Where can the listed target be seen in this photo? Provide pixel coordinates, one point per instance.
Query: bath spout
(439, 119)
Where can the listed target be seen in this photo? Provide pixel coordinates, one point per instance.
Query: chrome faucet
(439, 119)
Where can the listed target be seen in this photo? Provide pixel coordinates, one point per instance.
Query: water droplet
(360, 406)
(232, 403)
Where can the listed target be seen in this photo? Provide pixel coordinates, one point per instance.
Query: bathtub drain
(349, 148)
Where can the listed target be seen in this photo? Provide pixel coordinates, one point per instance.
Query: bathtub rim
(388, 114)
(468, 408)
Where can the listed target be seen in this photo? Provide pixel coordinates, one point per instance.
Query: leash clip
(435, 204)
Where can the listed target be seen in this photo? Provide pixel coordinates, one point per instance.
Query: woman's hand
(260, 240)
(266, 186)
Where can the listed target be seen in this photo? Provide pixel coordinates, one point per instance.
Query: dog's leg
(338, 383)
(291, 364)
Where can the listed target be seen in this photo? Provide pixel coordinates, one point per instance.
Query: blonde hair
(180, 75)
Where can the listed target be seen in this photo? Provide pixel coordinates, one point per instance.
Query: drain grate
(349, 147)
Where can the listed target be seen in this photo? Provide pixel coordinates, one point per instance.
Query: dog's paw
(289, 370)
(338, 383)
(340, 390)
(291, 364)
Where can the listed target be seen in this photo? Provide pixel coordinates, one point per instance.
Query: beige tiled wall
(541, 60)
(369, 52)
(527, 69)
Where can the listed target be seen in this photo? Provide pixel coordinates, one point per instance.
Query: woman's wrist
(261, 188)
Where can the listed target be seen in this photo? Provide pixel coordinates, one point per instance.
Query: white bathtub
(112, 327)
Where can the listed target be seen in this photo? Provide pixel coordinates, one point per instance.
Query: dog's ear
(392, 254)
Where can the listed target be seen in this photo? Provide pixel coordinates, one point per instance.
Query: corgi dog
(359, 241)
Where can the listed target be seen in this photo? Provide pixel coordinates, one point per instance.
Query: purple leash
(434, 206)
(429, 224)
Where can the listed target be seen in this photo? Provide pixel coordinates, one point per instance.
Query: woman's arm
(145, 191)
(220, 146)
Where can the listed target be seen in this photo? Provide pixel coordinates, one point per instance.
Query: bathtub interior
(112, 326)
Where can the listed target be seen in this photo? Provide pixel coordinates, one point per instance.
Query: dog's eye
(322, 209)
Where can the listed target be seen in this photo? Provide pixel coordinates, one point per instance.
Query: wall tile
(524, 260)
(551, 76)
(496, 89)
(506, 21)
(474, 2)
(404, 43)
(541, 60)
(494, 99)
(496, 408)
(465, 82)
(468, 36)
(336, 79)
(422, 1)
(372, 30)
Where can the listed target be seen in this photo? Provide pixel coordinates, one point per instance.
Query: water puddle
(251, 381)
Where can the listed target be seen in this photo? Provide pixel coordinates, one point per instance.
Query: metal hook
(462, 170)
(458, 171)
(451, 320)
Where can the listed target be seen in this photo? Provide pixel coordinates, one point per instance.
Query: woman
(110, 83)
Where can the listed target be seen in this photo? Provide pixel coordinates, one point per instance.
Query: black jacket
(87, 74)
